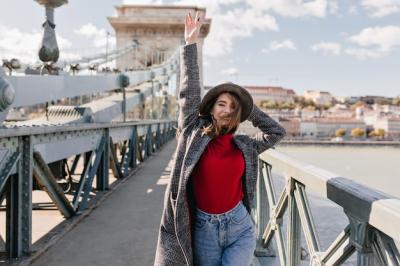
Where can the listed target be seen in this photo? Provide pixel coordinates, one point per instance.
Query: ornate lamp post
(49, 51)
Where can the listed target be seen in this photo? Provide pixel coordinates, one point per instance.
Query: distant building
(324, 127)
(370, 99)
(291, 125)
(352, 99)
(308, 113)
(391, 109)
(338, 110)
(275, 94)
(318, 97)
(340, 99)
(391, 125)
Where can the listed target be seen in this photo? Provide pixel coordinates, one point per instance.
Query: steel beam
(45, 178)
(294, 227)
(6, 170)
(102, 181)
(19, 204)
(339, 250)
(262, 214)
(89, 180)
(77, 195)
(116, 168)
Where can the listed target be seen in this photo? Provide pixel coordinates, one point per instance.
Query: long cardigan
(174, 245)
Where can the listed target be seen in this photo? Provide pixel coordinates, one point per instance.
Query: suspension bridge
(83, 172)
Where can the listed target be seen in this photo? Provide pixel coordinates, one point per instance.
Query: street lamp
(49, 51)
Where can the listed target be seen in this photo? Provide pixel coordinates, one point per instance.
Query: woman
(206, 218)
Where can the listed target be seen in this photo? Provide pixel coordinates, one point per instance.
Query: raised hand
(192, 27)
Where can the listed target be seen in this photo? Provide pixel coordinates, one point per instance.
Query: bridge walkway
(123, 229)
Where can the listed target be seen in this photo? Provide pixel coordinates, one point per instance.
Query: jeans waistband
(221, 215)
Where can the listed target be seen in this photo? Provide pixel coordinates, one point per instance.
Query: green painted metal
(102, 180)
(85, 172)
(115, 166)
(87, 188)
(17, 172)
(7, 167)
(19, 204)
(45, 178)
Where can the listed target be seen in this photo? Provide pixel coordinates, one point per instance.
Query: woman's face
(222, 109)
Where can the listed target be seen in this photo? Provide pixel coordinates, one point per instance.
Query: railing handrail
(379, 209)
(25, 131)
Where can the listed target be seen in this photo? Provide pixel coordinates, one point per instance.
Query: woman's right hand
(192, 27)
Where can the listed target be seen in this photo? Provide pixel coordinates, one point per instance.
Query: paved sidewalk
(123, 229)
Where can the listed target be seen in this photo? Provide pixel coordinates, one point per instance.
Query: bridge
(82, 180)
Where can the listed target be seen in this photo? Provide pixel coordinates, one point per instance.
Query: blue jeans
(224, 239)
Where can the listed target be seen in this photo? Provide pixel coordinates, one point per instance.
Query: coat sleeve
(271, 131)
(189, 91)
(168, 251)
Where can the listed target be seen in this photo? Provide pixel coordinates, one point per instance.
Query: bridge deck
(123, 229)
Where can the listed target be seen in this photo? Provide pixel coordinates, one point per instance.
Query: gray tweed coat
(174, 246)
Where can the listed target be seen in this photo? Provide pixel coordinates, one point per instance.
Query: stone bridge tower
(160, 28)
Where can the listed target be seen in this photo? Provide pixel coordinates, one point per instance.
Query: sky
(348, 48)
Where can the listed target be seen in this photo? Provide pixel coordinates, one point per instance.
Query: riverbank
(340, 143)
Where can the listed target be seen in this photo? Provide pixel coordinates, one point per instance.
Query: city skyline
(346, 49)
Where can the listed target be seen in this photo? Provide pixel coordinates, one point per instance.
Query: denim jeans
(224, 239)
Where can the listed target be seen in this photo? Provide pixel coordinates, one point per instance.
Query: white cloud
(98, 36)
(235, 24)
(229, 25)
(381, 8)
(278, 45)
(236, 19)
(363, 54)
(141, 2)
(384, 38)
(230, 71)
(296, 8)
(25, 45)
(352, 10)
(327, 48)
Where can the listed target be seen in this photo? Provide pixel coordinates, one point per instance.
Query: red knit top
(217, 177)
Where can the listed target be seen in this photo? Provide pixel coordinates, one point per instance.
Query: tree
(358, 104)
(357, 132)
(381, 132)
(396, 101)
(340, 132)
(378, 133)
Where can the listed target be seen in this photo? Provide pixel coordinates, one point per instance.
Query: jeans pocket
(240, 216)
(200, 222)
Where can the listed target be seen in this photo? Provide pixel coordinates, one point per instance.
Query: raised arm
(189, 92)
(271, 132)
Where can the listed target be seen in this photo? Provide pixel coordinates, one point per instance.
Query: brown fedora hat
(244, 96)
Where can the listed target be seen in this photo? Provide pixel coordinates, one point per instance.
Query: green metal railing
(28, 152)
(374, 217)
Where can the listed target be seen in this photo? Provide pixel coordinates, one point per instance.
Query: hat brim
(244, 96)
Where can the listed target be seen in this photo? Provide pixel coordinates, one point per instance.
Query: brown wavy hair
(213, 129)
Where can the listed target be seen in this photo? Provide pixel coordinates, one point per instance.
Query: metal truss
(368, 233)
(26, 153)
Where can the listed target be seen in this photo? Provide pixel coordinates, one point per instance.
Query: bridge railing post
(102, 176)
(262, 213)
(19, 203)
(361, 237)
(294, 228)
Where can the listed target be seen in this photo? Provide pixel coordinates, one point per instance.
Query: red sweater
(217, 177)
